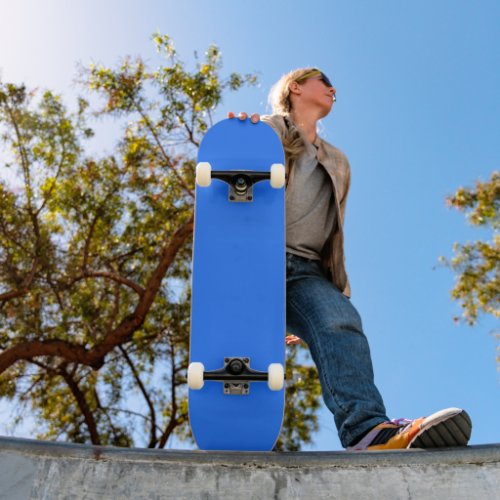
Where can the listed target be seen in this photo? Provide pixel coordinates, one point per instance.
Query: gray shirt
(310, 207)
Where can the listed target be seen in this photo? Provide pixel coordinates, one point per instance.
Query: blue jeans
(318, 313)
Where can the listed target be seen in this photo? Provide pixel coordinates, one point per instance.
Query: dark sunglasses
(326, 80)
(316, 72)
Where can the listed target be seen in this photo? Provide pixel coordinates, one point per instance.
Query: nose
(332, 90)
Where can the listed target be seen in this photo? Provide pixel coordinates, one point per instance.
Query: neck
(306, 120)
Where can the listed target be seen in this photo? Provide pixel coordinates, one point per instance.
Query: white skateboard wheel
(275, 376)
(277, 175)
(195, 375)
(203, 174)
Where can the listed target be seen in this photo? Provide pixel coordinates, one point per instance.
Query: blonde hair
(279, 96)
(281, 104)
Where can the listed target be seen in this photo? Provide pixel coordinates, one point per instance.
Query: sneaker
(450, 427)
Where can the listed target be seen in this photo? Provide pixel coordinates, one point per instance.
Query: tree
(477, 264)
(95, 254)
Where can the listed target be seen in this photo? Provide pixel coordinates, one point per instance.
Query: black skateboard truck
(236, 376)
(240, 182)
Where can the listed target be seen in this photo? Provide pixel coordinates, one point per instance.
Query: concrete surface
(42, 470)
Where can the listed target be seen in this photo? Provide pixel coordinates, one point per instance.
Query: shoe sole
(451, 427)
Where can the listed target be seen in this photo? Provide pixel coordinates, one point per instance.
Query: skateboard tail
(227, 429)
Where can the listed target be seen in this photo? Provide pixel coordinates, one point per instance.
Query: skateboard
(237, 342)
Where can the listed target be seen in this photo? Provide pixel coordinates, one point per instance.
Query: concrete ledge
(36, 469)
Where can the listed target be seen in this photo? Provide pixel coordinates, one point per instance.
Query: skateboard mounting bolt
(235, 367)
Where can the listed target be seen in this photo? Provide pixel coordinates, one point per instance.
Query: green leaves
(164, 44)
(477, 264)
(481, 204)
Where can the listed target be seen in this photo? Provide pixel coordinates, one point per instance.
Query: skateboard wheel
(203, 174)
(277, 175)
(195, 375)
(275, 376)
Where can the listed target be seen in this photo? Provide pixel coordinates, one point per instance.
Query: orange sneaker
(450, 427)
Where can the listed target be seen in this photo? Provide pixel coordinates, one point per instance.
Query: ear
(294, 88)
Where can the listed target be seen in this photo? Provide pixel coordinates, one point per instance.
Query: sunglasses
(316, 72)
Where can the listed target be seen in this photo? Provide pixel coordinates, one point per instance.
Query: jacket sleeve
(347, 291)
(347, 185)
(276, 122)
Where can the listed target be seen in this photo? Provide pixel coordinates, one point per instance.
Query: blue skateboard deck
(238, 290)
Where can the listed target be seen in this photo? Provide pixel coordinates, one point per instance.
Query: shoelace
(400, 421)
(403, 423)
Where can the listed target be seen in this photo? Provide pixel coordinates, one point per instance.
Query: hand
(243, 116)
(292, 340)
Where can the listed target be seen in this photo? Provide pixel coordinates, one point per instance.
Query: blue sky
(418, 115)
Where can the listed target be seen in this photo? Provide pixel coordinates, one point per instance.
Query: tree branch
(82, 404)
(152, 440)
(173, 422)
(93, 224)
(24, 288)
(114, 277)
(89, 237)
(27, 177)
(160, 146)
(51, 189)
(121, 334)
(12, 239)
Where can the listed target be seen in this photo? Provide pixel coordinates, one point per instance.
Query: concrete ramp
(36, 469)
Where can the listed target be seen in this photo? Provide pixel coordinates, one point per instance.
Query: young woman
(318, 309)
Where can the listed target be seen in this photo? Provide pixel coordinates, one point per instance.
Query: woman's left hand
(243, 116)
(292, 340)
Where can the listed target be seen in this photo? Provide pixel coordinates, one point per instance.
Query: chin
(325, 111)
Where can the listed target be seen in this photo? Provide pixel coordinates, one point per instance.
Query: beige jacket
(337, 166)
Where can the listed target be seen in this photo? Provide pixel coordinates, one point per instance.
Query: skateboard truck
(236, 375)
(240, 182)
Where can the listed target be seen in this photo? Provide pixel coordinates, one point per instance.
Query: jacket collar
(327, 160)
